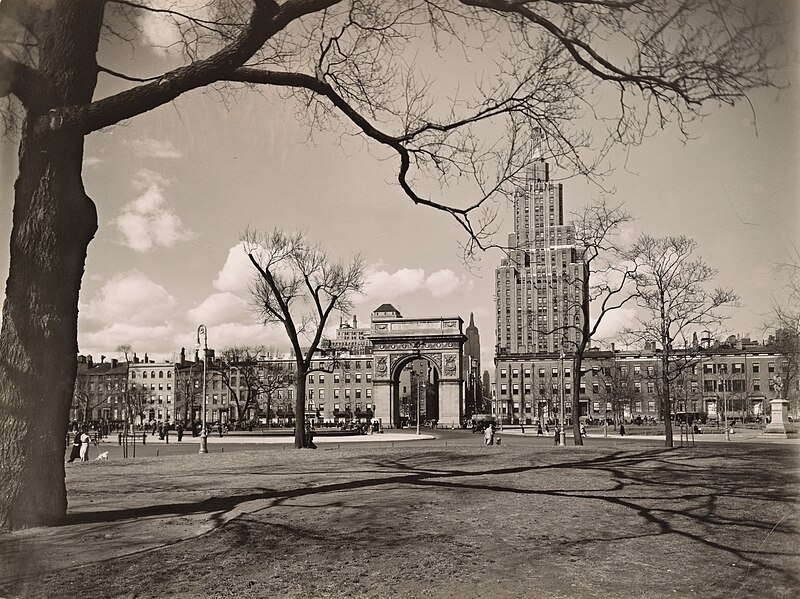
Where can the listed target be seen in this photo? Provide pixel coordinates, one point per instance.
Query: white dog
(102, 456)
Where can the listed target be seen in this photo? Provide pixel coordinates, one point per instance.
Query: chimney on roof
(613, 347)
(146, 361)
(102, 359)
(114, 362)
(183, 356)
(89, 361)
(135, 359)
(355, 321)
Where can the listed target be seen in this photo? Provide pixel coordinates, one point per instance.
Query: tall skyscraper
(538, 287)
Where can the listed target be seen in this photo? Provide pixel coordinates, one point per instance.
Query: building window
(311, 378)
(369, 394)
(756, 367)
(358, 393)
(337, 377)
(756, 385)
(322, 393)
(770, 366)
(515, 389)
(503, 373)
(637, 387)
(651, 387)
(567, 372)
(637, 369)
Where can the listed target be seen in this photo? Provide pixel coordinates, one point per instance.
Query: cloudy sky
(176, 187)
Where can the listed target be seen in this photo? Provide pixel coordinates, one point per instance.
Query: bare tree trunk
(300, 410)
(53, 223)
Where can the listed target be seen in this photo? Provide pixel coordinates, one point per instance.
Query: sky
(176, 188)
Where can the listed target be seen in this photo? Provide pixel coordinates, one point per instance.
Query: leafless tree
(617, 388)
(604, 284)
(671, 283)
(85, 400)
(299, 286)
(256, 377)
(338, 62)
(600, 284)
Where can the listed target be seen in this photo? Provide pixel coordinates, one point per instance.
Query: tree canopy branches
(352, 60)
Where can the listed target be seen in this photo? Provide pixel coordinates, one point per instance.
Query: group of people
(80, 447)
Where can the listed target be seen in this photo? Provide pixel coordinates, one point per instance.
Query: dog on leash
(102, 456)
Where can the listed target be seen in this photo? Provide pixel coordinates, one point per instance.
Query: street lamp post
(563, 432)
(725, 409)
(202, 330)
(419, 391)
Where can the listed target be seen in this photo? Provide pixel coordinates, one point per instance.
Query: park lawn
(708, 521)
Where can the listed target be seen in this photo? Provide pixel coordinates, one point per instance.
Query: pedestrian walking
(583, 430)
(76, 448)
(179, 431)
(555, 435)
(621, 430)
(488, 435)
(85, 440)
(538, 429)
(310, 436)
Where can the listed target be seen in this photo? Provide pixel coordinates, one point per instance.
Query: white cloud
(220, 308)
(614, 323)
(104, 341)
(162, 31)
(153, 148)
(90, 161)
(144, 178)
(129, 298)
(382, 286)
(149, 222)
(442, 283)
(238, 333)
(236, 273)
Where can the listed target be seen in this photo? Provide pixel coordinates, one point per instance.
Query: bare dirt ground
(412, 522)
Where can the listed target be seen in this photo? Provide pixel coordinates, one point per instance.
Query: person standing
(85, 440)
(621, 430)
(538, 429)
(488, 435)
(76, 448)
(179, 431)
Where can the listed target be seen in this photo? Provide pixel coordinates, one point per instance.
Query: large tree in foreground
(298, 286)
(524, 64)
(671, 282)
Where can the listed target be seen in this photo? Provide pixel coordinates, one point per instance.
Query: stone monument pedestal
(779, 426)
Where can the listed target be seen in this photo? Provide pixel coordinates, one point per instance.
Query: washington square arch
(397, 341)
